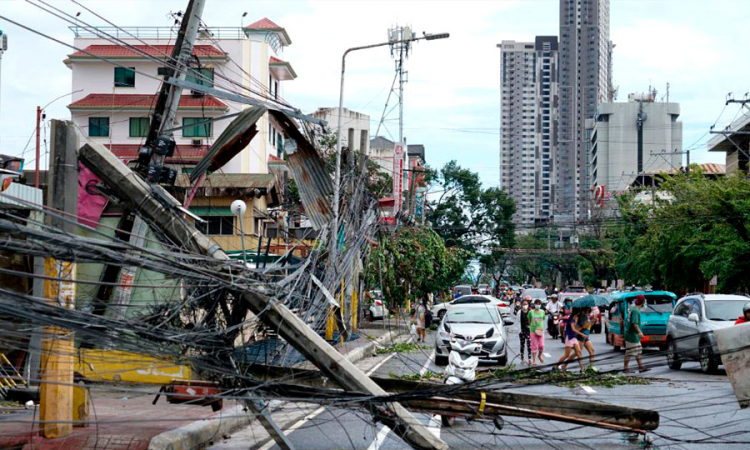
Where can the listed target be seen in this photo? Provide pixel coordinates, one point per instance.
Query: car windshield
(473, 315)
(658, 303)
(470, 299)
(724, 309)
(535, 293)
(462, 290)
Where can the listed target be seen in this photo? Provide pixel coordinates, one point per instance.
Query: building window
(216, 225)
(138, 126)
(98, 126)
(124, 76)
(196, 127)
(202, 76)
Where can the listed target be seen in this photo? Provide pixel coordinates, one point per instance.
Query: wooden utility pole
(56, 372)
(134, 190)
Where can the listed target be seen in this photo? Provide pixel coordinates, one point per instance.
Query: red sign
(398, 177)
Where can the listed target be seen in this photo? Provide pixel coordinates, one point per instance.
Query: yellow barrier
(115, 365)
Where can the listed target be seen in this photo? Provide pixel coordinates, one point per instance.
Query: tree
(478, 220)
(698, 228)
(412, 263)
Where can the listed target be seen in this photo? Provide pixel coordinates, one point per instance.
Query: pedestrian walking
(419, 319)
(572, 346)
(553, 307)
(536, 326)
(524, 332)
(633, 335)
(584, 324)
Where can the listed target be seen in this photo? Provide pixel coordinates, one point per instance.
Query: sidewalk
(123, 418)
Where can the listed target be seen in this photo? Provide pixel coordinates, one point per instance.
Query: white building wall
(248, 68)
(614, 142)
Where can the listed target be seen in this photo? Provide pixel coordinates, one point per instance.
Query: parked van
(654, 317)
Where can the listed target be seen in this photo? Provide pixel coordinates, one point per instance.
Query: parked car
(690, 328)
(376, 308)
(576, 289)
(462, 289)
(654, 317)
(440, 309)
(473, 322)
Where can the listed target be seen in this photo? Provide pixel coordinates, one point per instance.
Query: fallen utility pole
(134, 190)
(595, 414)
(56, 372)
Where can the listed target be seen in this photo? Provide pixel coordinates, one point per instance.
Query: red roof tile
(182, 152)
(275, 159)
(159, 51)
(263, 24)
(143, 101)
(276, 60)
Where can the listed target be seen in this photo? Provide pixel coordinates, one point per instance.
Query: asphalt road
(697, 411)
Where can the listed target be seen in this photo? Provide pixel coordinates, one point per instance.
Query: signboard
(419, 199)
(398, 176)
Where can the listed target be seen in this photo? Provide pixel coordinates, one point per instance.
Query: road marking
(380, 438)
(427, 363)
(588, 389)
(547, 355)
(318, 411)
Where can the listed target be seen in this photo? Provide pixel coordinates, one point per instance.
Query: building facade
(355, 127)
(528, 129)
(585, 82)
(619, 152)
(116, 84)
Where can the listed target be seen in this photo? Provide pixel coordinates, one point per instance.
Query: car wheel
(441, 314)
(503, 361)
(673, 360)
(708, 362)
(448, 421)
(441, 360)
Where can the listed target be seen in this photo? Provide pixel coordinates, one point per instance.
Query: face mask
(525, 307)
(537, 306)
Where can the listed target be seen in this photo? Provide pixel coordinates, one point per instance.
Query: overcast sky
(452, 97)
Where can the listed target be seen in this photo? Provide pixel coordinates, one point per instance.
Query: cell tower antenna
(400, 36)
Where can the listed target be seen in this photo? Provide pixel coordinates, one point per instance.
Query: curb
(202, 432)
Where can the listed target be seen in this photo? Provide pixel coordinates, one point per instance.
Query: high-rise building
(630, 138)
(585, 52)
(528, 130)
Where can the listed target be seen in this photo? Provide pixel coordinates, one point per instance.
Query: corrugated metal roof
(309, 172)
(25, 193)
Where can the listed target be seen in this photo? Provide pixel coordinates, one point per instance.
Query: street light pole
(337, 176)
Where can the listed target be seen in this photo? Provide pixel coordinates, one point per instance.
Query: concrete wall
(614, 142)
(355, 127)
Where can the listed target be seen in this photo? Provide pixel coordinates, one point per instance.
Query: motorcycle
(462, 365)
(555, 328)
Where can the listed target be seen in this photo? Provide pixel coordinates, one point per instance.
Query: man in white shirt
(553, 307)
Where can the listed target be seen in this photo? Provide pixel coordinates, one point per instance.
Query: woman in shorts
(572, 346)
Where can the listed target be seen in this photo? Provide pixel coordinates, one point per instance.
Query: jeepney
(654, 317)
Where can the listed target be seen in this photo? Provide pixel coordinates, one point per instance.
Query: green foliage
(698, 228)
(401, 347)
(588, 377)
(412, 263)
(416, 376)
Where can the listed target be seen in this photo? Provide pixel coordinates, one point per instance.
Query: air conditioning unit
(197, 142)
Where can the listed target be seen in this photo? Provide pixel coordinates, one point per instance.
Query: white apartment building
(355, 127)
(381, 153)
(111, 104)
(618, 152)
(528, 130)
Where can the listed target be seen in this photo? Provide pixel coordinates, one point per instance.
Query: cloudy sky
(452, 97)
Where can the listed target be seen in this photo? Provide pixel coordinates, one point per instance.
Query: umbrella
(589, 301)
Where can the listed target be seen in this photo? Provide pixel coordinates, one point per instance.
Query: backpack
(427, 318)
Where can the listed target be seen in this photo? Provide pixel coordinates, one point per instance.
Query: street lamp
(337, 179)
(238, 208)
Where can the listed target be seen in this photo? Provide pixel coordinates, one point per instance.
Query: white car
(439, 310)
